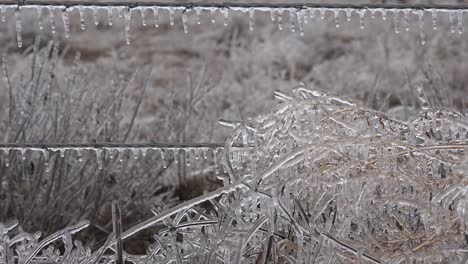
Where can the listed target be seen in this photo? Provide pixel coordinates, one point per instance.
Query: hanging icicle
(213, 15)
(171, 15)
(110, 14)
(336, 13)
(96, 16)
(127, 17)
(396, 21)
(40, 18)
(156, 16)
(66, 23)
(434, 19)
(19, 30)
(52, 19)
(82, 17)
(184, 22)
(226, 16)
(280, 18)
(251, 18)
(292, 20)
(451, 20)
(420, 15)
(3, 10)
(143, 16)
(460, 21)
(406, 25)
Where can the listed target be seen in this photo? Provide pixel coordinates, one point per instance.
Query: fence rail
(189, 5)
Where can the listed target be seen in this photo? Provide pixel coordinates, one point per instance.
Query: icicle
(362, 18)
(322, 13)
(196, 153)
(143, 17)
(434, 19)
(372, 12)
(19, 37)
(52, 20)
(205, 154)
(143, 152)
(311, 13)
(292, 20)
(460, 21)
(39, 18)
(3, 11)
(396, 21)
(406, 20)
(95, 16)
(99, 158)
(23, 153)
(305, 16)
(349, 13)
(175, 155)
(301, 23)
(45, 153)
(213, 16)
(135, 153)
(66, 23)
(383, 12)
(7, 157)
(187, 157)
(226, 16)
(171, 15)
(420, 14)
(251, 18)
(280, 19)
(82, 18)
(79, 154)
(109, 15)
(62, 153)
(336, 13)
(198, 13)
(156, 16)
(272, 15)
(163, 158)
(452, 23)
(127, 18)
(111, 153)
(184, 22)
(121, 154)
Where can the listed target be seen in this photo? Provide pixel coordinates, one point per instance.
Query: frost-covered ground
(213, 72)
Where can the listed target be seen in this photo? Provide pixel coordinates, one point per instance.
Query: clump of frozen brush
(325, 180)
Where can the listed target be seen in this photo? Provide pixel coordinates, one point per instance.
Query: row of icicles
(297, 17)
(236, 155)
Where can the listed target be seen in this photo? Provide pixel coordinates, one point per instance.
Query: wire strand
(229, 5)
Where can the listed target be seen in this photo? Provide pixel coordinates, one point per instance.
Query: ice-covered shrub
(323, 180)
